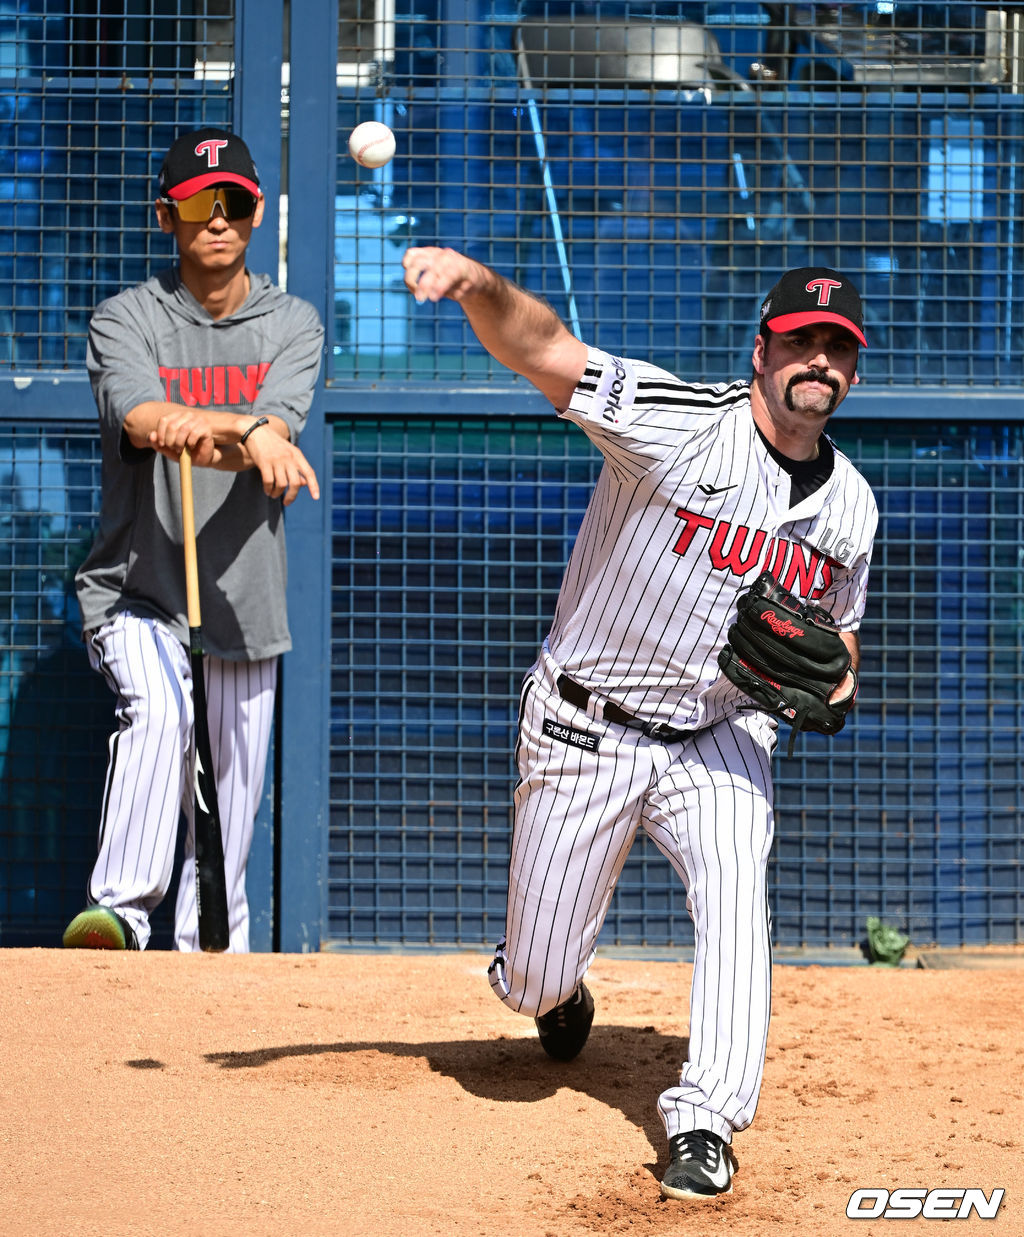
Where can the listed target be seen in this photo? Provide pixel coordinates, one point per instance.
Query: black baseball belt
(575, 693)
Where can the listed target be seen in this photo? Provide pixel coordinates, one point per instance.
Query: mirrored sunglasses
(234, 202)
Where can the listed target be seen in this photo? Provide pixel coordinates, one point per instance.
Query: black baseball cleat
(563, 1030)
(700, 1166)
(98, 927)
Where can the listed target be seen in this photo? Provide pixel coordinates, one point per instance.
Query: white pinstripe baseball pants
(706, 805)
(149, 778)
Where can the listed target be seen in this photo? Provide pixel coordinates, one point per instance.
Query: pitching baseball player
(212, 357)
(627, 719)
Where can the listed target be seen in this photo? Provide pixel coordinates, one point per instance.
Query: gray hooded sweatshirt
(156, 342)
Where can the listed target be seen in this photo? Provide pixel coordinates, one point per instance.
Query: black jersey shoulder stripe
(710, 388)
(649, 390)
(676, 400)
(725, 390)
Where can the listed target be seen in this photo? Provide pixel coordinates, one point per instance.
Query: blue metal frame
(259, 57)
(305, 672)
(257, 115)
(55, 396)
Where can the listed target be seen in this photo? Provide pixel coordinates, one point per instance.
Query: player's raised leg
(577, 809)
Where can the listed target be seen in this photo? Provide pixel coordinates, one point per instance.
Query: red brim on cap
(790, 322)
(188, 187)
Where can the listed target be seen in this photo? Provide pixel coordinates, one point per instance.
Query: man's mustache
(813, 374)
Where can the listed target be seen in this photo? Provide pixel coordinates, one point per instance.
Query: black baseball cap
(812, 294)
(207, 157)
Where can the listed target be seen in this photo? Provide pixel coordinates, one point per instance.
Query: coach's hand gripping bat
(211, 889)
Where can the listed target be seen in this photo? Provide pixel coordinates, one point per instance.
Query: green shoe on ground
(98, 927)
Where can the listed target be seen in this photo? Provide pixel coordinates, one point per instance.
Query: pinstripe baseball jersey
(706, 508)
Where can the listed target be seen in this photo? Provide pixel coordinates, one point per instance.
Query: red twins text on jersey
(219, 386)
(799, 568)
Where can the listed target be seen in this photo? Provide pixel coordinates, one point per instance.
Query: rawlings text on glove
(788, 656)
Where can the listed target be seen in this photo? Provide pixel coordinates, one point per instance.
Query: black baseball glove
(787, 655)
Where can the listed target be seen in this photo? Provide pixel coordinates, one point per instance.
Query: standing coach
(211, 357)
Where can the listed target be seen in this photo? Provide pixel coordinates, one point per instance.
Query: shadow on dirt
(623, 1067)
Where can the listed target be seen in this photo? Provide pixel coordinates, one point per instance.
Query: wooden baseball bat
(211, 888)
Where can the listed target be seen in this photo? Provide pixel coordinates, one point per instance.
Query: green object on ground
(886, 946)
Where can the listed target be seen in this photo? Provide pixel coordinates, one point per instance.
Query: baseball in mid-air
(371, 144)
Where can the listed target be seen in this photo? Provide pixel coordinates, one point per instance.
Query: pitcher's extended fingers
(432, 273)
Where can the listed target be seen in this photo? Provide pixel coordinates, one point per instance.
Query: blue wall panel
(448, 548)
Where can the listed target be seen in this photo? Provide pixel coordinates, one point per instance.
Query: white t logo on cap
(824, 287)
(211, 148)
